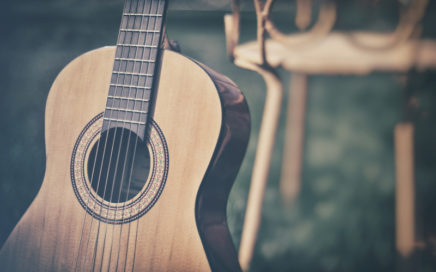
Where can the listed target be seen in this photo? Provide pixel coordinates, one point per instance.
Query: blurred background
(343, 218)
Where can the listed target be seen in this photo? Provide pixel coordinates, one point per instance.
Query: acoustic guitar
(142, 145)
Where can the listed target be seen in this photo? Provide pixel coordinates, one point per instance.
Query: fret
(131, 73)
(120, 115)
(132, 52)
(139, 45)
(126, 110)
(139, 30)
(123, 121)
(135, 83)
(127, 104)
(129, 86)
(141, 22)
(139, 60)
(128, 98)
(142, 14)
(130, 93)
(139, 38)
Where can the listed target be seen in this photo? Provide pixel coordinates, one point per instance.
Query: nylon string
(137, 132)
(158, 9)
(98, 183)
(110, 158)
(112, 147)
(101, 164)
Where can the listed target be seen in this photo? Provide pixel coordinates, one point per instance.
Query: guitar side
(205, 122)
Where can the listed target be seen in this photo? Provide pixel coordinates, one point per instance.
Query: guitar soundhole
(118, 165)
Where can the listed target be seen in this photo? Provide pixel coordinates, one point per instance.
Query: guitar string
(104, 195)
(127, 149)
(101, 168)
(138, 10)
(159, 42)
(148, 70)
(131, 175)
(150, 53)
(116, 165)
(98, 184)
(111, 154)
(86, 212)
(134, 151)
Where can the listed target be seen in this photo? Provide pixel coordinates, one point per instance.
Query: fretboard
(131, 87)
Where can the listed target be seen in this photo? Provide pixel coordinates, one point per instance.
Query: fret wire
(126, 23)
(140, 14)
(131, 21)
(139, 30)
(141, 60)
(123, 121)
(131, 74)
(138, 45)
(126, 98)
(127, 110)
(130, 86)
(140, 35)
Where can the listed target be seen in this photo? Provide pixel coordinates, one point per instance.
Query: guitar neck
(131, 88)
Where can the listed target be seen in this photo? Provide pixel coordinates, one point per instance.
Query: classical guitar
(142, 145)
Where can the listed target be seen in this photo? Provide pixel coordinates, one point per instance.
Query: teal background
(343, 219)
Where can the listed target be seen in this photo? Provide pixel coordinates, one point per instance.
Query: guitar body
(201, 130)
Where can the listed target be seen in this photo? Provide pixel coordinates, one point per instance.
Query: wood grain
(188, 111)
